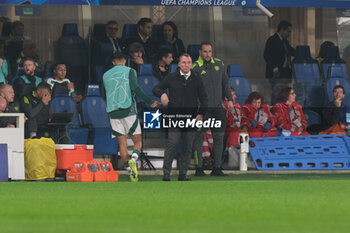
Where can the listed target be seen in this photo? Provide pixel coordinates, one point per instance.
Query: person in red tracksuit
(289, 114)
(257, 119)
(233, 122)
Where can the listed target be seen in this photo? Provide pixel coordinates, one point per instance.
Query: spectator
(323, 51)
(29, 51)
(135, 58)
(36, 107)
(60, 84)
(121, 86)
(187, 97)
(112, 29)
(277, 55)
(322, 55)
(213, 75)
(161, 67)
(143, 37)
(104, 56)
(27, 83)
(14, 44)
(4, 69)
(171, 41)
(233, 121)
(290, 117)
(257, 119)
(335, 113)
(7, 93)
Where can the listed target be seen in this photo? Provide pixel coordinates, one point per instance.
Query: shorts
(125, 126)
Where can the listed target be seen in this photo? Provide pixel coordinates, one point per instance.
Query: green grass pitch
(237, 203)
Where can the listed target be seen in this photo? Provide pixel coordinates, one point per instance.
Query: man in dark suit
(104, 45)
(187, 96)
(277, 55)
(144, 29)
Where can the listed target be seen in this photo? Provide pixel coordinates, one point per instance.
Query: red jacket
(233, 124)
(260, 116)
(289, 117)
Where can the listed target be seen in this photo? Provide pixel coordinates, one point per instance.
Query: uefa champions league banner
(247, 3)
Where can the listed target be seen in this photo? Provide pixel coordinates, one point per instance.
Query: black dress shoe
(166, 177)
(217, 172)
(183, 178)
(200, 172)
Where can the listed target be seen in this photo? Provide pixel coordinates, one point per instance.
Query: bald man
(7, 93)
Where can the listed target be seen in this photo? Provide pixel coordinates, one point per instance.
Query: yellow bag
(40, 158)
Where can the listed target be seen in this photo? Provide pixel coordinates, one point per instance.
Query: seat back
(193, 50)
(94, 112)
(98, 31)
(332, 59)
(72, 50)
(146, 80)
(173, 68)
(129, 30)
(157, 33)
(64, 103)
(239, 83)
(312, 117)
(336, 71)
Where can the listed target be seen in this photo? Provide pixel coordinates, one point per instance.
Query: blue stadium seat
(73, 51)
(98, 31)
(305, 67)
(332, 59)
(129, 30)
(312, 117)
(193, 50)
(239, 83)
(173, 67)
(93, 90)
(308, 86)
(157, 33)
(146, 80)
(94, 113)
(336, 71)
(64, 103)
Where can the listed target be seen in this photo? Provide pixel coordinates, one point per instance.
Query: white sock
(135, 156)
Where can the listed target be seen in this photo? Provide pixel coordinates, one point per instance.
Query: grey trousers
(174, 137)
(218, 138)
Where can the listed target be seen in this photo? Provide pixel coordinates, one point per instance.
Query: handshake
(266, 126)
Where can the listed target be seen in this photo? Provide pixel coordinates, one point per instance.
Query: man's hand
(154, 104)
(300, 130)
(199, 117)
(138, 60)
(337, 102)
(1, 61)
(230, 106)
(70, 86)
(46, 98)
(164, 99)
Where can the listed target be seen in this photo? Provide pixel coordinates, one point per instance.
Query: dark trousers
(218, 138)
(174, 137)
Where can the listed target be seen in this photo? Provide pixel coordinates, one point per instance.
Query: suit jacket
(149, 47)
(102, 50)
(275, 54)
